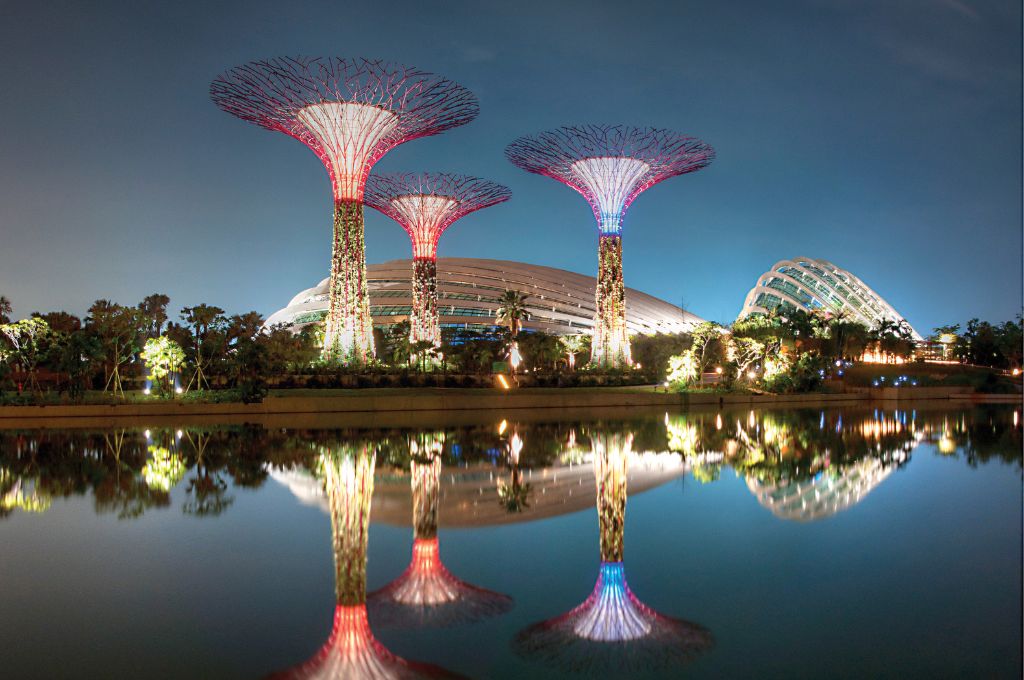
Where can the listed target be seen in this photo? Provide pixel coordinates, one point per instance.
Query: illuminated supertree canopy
(426, 593)
(350, 112)
(352, 651)
(425, 205)
(610, 165)
(612, 629)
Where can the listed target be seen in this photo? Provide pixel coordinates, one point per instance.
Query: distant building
(811, 285)
(559, 302)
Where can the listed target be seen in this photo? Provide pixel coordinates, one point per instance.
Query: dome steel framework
(818, 285)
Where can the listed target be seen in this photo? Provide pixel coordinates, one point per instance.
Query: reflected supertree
(425, 205)
(349, 112)
(426, 593)
(612, 629)
(610, 165)
(351, 650)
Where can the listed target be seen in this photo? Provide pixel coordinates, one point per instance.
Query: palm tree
(512, 311)
(205, 321)
(572, 345)
(154, 311)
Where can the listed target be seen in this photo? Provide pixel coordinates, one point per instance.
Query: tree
(5, 310)
(707, 345)
(683, 369)
(60, 322)
(512, 311)
(947, 336)
(397, 347)
(1011, 341)
(118, 329)
(163, 357)
(154, 312)
(652, 352)
(540, 349)
(573, 345)
(78, 356)
(27, 341)
(892, 337)
(209, 339)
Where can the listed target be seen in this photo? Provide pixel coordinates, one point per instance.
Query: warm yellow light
(1016, 371)
(502, 427)
(718, 370)
(504, 383)
(947, 338)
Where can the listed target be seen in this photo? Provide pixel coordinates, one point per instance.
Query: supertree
(352, 651)
(350, 112)
(425, 205)
(609, 165)
(426, 593)
(612, 629)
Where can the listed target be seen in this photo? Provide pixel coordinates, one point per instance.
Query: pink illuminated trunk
(424, 323)
(348, 337)
(611, 341)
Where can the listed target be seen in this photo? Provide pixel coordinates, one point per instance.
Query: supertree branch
(425, 205)
(610, 165)
(427, 593)
(612, 630)
(349, 112)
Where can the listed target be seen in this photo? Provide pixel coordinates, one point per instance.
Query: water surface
(787, 543)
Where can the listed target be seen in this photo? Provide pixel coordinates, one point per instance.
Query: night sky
(884, 135)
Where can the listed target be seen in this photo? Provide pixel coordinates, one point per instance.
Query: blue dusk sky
(883, 135)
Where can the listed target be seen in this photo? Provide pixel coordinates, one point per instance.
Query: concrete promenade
(406, 400)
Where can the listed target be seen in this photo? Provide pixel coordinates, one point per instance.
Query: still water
(793, 543)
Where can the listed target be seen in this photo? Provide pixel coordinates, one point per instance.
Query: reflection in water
(427, 593)
(514, 496)
(612, 628)
(352, 651)
(823, 495)
(800, 467)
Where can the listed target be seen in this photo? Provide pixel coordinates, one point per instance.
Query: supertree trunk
(349, 334)
(611, 461)
(426, 486)
(611, 341)
(424, 324)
